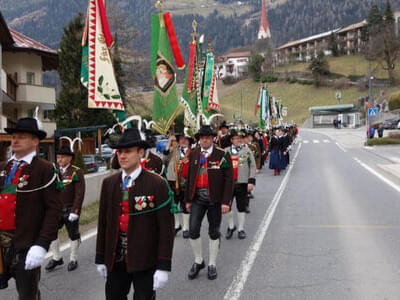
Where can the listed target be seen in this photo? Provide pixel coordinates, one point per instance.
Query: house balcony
(36, 94)
(9, 87)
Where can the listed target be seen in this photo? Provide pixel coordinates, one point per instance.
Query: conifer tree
(71, 106)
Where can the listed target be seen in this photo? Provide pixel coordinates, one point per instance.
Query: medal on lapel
(23, 181)
(138, 205)
(151, 201)
(144, 204)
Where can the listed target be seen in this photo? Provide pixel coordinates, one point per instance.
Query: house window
(30, 78)
(46, 114)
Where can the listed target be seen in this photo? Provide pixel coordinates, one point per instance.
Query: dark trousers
(72, 227)
(119, 283)
(179, 198)
(241, 196)
(26, 281)
(200, 206)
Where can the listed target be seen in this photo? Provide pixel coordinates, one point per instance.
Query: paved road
(330, 229)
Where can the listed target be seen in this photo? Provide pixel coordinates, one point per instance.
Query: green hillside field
(297, 97)
(345, 65)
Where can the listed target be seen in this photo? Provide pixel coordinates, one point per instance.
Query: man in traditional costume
(244, 173)
(176, 153)
(223, 140)
(71, 197)
(209, 190)
(276, 160)
(135, 228)
(30, 210)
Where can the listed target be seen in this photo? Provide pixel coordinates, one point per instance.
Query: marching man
(244, 173)
(135, 227)
(208, 190)
(175, 155)
(30, 210)
(71, 198)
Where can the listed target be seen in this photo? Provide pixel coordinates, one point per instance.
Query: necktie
(203, 158)
(126, 182)
(13, 170)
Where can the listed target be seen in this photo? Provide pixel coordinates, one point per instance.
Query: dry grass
(345, 65)
(297, 97)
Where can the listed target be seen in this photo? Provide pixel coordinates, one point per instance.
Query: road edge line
(377, 174)
(237, 285)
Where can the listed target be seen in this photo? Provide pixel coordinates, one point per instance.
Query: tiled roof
(238, 54)
(353, 26)
(24, 42)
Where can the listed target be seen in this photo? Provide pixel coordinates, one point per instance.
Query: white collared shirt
(63, 170)
(208, 151)
(27, 158)
(135, 174)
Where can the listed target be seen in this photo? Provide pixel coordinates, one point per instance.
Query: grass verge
(383, 141)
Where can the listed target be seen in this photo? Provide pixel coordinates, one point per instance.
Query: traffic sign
(373, 112)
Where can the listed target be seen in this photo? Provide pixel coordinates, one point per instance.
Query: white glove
(160, 279)
(35, 257)
(102, 269)
(73, 217)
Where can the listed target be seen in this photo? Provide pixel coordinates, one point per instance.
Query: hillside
(297, 97)
(345, 65)
(229, 23)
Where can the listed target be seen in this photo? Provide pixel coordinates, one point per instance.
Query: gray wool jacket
(247, 164)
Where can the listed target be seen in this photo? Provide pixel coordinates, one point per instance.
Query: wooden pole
(99, 141)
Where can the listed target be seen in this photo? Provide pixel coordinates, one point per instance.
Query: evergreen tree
(72, 104)
(333, 44)
(319, 67)
(255, 66)
(388, 17)
(374, 20)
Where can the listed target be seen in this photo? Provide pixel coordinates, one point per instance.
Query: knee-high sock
(241, 220)
(74, 250)
(214, 248)
(185, 221)
(177, 220)
(55, 247)
(231, 223)
(197, 251)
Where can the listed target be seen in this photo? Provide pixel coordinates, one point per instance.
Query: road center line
(381, 177)
(237, 285)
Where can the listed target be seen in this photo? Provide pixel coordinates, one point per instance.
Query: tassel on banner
(192, 57)
(180, 63)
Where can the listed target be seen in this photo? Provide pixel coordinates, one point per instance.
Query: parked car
(94, 163)
(391, 124)
(106, 151)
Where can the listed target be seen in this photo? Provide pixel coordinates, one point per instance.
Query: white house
(233, 64)
(22, 63)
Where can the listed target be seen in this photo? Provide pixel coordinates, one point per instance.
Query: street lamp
(370, 96)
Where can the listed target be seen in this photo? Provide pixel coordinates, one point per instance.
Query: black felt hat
(235, 132)
(28, 125)
(223, 125)
(130, 138)
(206, 130)
(65, 150)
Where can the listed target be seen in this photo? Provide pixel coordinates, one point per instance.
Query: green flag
(166, 106)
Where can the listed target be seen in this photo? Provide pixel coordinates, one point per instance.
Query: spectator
(380, 130)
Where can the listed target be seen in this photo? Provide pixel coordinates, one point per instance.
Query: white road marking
(236, 287)
(315, 141)
(67, 245)
(327, 141)
(381, 177)
(305, 142)
(341, 147)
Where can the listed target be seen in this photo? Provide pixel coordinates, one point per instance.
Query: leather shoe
(185, 234)
(178, 229)
(229, 233)
(241, 235)
(212, 272)
(73, 264)
(54, 263)
(194, 271)
(247, 211)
